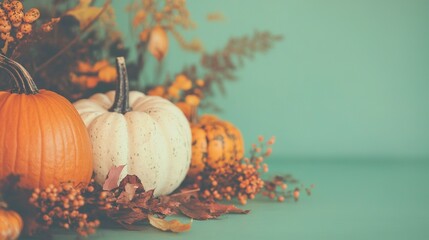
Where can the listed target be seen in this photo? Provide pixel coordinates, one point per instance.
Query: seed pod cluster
(15, 23)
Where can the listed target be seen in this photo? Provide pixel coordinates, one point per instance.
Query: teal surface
(353, 199)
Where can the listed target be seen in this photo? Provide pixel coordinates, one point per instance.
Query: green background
(350, 78)
(346, 94)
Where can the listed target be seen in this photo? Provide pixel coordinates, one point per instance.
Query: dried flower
(158, 43)
(182, 82)
(89, 75)
(49, 26)
(192, 100)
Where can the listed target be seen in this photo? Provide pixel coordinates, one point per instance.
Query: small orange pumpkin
(10, 224)
(42, 137)
(215, 143)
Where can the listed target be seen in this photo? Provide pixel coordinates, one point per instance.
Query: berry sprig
(70, 207)
(244, 179)
(241, 180)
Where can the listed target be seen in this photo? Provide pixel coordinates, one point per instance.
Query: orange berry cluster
(259, 152)
(70, 207)
(241, 180)
(276, 189)
(14, 23)
(238, 180)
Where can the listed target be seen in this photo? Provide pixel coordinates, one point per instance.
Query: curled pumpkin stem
(23, 82)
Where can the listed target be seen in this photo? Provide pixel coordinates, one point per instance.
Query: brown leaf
(200, 210)
(129, 193)
(130, 189)
(113, 178)
(127, 216)
(143, 199)
(165, 225)
(196, 213)
(133, 179)
(224, 209)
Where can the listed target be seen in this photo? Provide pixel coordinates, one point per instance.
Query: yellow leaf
(165, 225)
(5, 47)
(84, 12)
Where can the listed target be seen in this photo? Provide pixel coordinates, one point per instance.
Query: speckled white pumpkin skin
(153, 140)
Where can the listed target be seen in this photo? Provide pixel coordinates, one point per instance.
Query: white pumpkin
(152, 139)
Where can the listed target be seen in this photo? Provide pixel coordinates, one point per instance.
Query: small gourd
(215, 143)
(11, 224)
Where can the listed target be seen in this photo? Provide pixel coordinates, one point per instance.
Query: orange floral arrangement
(70, 50)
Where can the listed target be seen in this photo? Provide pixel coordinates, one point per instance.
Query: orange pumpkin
(215, 143)
(42, 137)
(10, 224)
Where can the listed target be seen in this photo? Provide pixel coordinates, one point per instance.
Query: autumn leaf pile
(83, 208)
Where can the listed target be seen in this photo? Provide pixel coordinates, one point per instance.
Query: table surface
(369, 199)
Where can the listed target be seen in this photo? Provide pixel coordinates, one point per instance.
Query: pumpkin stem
(122, 98)
(23, 82)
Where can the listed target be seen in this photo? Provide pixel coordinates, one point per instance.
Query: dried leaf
(130, 189)
(5, 47)
(113, 178)
(208, 210)
(172, 225)
(127, 216)
(84, 12)
(132, 179)
(129, 193)
(143, 199)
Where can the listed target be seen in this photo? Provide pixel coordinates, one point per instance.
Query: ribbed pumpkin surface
(43, 138)
(214, 143)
